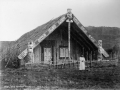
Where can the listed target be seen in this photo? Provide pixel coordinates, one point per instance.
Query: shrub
(9, 57)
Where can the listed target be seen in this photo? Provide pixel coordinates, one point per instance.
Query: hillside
(109, 35)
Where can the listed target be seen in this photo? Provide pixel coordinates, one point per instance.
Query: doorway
(47, 55)
(47, 52)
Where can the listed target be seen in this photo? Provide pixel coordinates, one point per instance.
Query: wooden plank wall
(37, 55)
(60, 39)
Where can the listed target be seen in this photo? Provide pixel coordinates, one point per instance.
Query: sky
(20, 16)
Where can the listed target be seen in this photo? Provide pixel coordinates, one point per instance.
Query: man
(82, 63)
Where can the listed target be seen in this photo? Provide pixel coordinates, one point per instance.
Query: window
(63, 50)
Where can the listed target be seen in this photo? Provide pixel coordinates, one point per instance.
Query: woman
(82, 63)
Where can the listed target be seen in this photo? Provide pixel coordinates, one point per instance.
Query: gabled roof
(35, 34)
(41, 32)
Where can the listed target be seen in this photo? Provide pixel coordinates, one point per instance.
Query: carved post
(86, 55)
(90, 58)
(30, 51)
(83, 51)
(69, 20)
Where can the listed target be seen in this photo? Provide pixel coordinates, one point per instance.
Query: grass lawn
(98, 78)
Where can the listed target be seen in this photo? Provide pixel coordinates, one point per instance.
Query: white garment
(82, 63)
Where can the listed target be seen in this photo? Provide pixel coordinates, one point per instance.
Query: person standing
(82, 63)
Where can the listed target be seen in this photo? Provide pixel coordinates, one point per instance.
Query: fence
(74, 64)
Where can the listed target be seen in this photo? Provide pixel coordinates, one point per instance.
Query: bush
(9, 57)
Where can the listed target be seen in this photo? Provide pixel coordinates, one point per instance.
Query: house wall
(37, 54)
(61, 39)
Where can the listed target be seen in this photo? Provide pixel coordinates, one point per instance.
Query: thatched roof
(35, 34)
